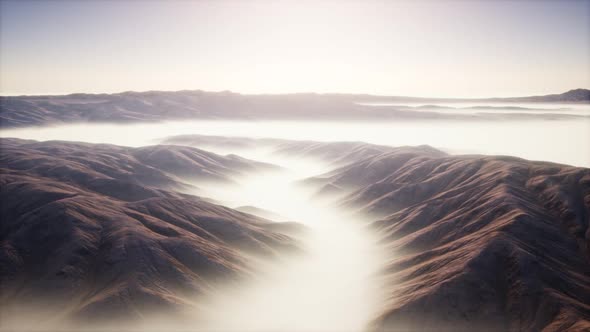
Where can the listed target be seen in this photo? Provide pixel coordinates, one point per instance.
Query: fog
(332, 287)
(562, 141)
(334, 284)
(495, 107)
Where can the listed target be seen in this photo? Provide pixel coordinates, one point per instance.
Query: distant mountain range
(576, 95)
(151, 106)
(571, 96)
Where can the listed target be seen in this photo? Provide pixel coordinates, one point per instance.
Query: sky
(414, 48)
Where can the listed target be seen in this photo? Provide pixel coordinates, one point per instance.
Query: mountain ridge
(89, 233)
(490, 243)
(577, 94)
(158, 106)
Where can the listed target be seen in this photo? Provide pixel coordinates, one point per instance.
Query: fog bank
(561, 141)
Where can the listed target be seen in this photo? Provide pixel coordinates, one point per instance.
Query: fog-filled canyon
(426, 222)
(294, 166)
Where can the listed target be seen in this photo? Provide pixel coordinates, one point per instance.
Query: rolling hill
(486, 243)
(95, 232)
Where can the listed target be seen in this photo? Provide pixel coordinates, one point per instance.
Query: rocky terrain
(92, 232)
(485, 243)
(473, 243)
(151, 106)
(333, 153)
(477, 242)
(168, 167)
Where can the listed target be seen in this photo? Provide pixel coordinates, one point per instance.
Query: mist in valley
(294, 166)
(549, 140)
(336, 281)
(332, 283)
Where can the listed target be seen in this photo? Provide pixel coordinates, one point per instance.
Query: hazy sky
(443, 48)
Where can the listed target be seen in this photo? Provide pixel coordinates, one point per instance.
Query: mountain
(92, 232)
(476, 243)
(486, 243)
(232, 143)
(366, 168)
(152, 106)
(575, 95)
(571, 96)
(164, 166)
(130, 107)
(334, 153)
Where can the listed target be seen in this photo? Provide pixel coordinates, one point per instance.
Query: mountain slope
(478, 243)
(88, 233)
(575, 95)
(162, 166)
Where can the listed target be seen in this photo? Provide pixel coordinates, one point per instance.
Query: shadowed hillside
(89, 232)
(477, 243)
(486, 243)
(166, 167)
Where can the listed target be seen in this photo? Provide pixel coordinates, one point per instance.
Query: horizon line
(50, 94)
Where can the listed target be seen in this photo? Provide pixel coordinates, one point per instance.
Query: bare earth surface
(477, 242)
(474, 242)
(93, 232)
